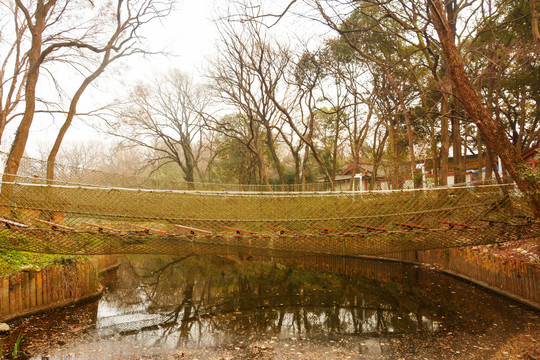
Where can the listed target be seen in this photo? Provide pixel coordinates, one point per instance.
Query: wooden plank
(32, 291)
(10, 223)
(193, 230)
(412, 226)
(39, 288)
(150, 229)
(102, 228)
(54, 225)
(5, 296)
(327, 229)
(239, 231)
(371, 228)
(19, 297)
(13, 303)
(45, 278)
(452, 224)
(55, 286)
(282, 231)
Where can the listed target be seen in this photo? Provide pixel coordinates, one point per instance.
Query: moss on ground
(13, 261)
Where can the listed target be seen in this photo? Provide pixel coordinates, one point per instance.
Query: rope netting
(80, 219)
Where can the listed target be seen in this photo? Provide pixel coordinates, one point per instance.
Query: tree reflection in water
(204, 301)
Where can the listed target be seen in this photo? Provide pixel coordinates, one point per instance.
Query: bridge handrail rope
(58, 183)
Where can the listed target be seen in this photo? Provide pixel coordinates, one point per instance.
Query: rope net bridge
(69, 219)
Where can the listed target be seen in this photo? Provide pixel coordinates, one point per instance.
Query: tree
(307, 79)
(353, 99)
(246, 71)
(36, 22)
(492, 130)
(367, 36)
(53, 36)
(507, 72)
(165, 117)
(129, 16)
(235, 164)
(414, 18)
(14, 63)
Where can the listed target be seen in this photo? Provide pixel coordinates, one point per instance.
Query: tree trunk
(396, 183)
(445, 136)
(459, 173)
(335, 148)
(354, 170)
(410, 134)
(275, 157)
(489, 164)
(34, 62)
(190, 178)
(374, 175)
(263, 178)
(435, 160)
(3, 120)
(480, 149)
(492, 131)
(535, 13)
(377, 156)
(297, 170)
(304, 168)
(51, 160)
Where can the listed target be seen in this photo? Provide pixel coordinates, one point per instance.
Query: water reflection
(199, 301)
(165, 305)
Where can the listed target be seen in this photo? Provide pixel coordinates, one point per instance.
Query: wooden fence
(29, 292)
(512, 277)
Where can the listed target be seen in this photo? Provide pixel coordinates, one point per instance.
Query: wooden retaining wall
(511, 276)
(28, 292)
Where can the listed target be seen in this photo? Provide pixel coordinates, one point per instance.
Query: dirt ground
(526, 347)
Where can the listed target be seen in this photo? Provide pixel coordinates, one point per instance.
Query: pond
(210, 307)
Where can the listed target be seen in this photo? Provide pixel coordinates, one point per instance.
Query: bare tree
(355, 101)
(242, 141)
(243, 75)
(14, 62)
(36, 22)
(54, 36)
(307, 79)
(164, 117)
(129, 16)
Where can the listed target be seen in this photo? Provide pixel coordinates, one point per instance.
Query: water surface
(324, 307)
